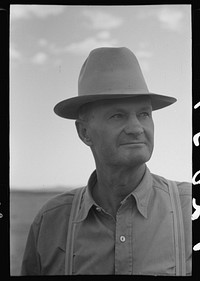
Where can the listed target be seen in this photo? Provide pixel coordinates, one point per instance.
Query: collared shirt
(138, 241)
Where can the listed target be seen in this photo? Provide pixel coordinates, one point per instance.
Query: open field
(24, 205)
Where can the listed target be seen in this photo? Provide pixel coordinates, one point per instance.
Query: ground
(24, 205)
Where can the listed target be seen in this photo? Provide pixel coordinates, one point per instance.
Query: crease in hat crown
(111, 69)
(109, 73)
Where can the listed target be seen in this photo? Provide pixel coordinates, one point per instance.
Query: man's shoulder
(184, 188)
(62, 200)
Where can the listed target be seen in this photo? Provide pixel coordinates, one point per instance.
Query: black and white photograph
(100, 140)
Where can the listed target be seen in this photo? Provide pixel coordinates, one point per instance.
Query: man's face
(121, 132)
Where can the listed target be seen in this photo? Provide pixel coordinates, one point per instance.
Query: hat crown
(111, 69)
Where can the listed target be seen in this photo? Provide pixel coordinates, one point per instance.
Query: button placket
(122, 244)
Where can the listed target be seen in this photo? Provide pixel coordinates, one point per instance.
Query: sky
(49, 44)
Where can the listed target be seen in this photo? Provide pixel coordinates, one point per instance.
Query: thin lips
(133, 142)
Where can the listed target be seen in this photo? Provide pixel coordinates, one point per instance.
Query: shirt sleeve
(31, 259)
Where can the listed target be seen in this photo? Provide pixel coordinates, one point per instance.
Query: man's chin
(136, 159)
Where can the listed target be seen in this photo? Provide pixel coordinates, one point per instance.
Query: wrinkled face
(121, 132)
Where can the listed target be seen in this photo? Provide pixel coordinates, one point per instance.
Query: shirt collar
(87, 200)
(141, 195)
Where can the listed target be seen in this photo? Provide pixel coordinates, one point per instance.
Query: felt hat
(107, 74)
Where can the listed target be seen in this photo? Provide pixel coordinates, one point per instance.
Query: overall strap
(71, 230)
(178, 229)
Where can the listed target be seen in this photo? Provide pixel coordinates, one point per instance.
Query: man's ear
(82, 131)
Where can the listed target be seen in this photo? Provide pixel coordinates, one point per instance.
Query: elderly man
(126, 220)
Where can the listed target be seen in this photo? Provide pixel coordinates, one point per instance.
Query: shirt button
(122, 238)
(98, 209)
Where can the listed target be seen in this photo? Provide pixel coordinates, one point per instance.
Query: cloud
(29, 11)
(170, 18)
(101, 20)
(83, 47)
(39, 58)
(103, 35)
(42, 42)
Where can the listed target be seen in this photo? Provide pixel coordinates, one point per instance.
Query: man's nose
(133, 126)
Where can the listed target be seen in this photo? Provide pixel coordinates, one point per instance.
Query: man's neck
(113, 185)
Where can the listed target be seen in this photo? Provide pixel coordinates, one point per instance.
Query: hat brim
(69, 108)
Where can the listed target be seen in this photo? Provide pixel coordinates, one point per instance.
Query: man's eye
(117, 116)
(144, 114)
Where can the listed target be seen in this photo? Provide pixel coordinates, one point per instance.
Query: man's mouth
(133, 143)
